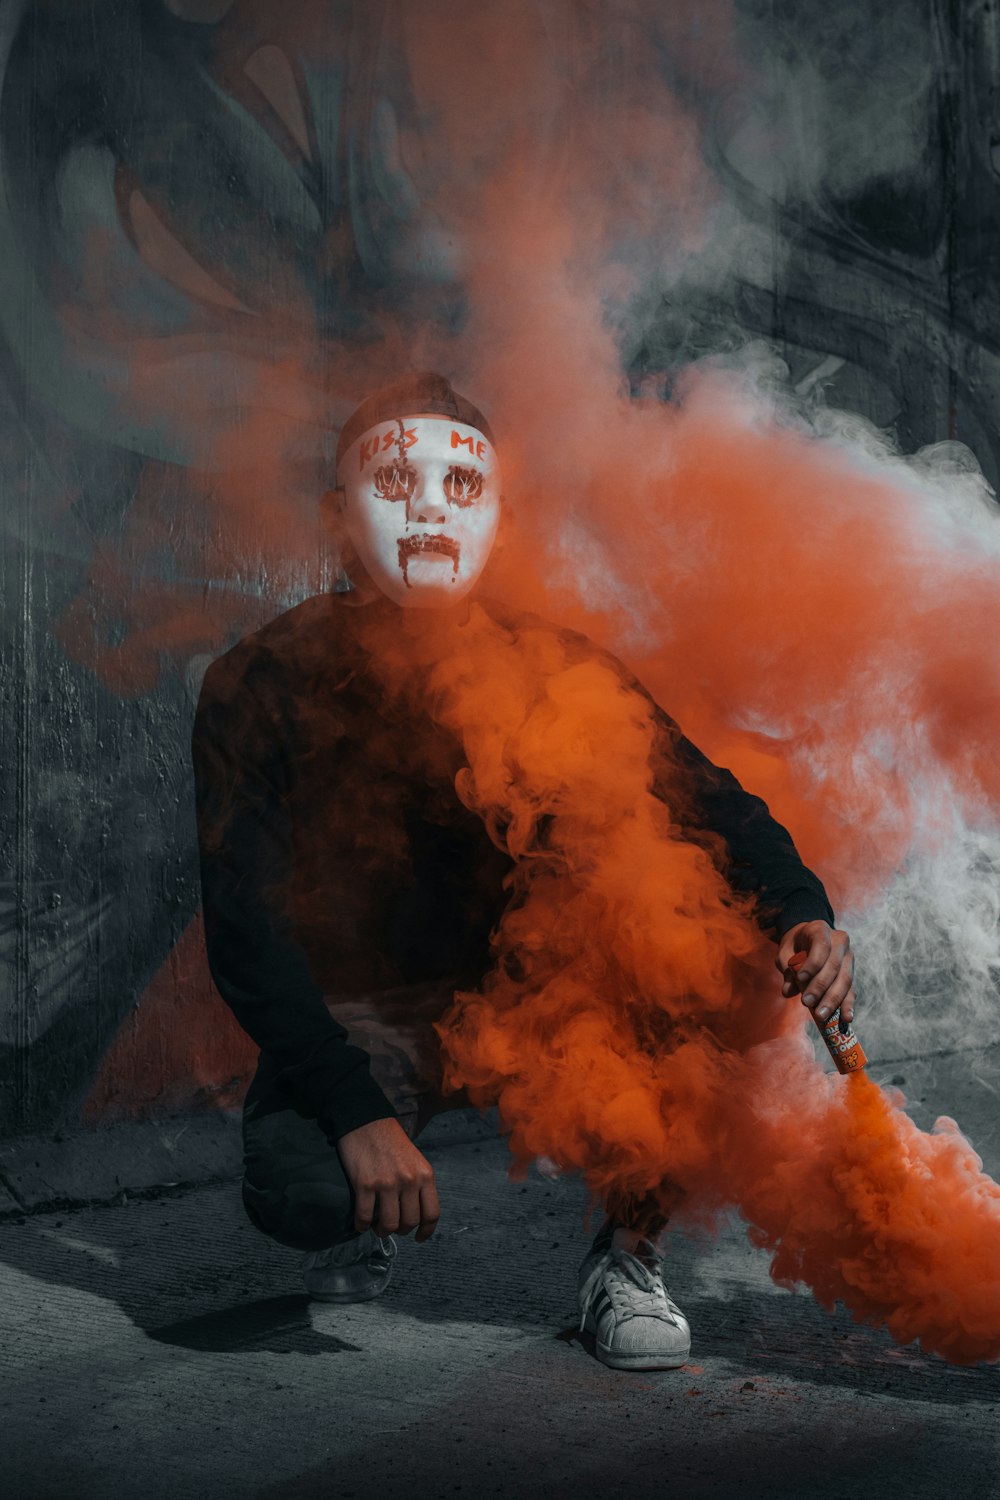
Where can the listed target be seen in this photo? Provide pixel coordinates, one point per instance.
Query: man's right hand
(393, 1182)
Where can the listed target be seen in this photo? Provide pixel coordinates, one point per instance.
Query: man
(348, 892)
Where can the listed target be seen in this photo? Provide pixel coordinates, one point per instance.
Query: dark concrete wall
(169, 170)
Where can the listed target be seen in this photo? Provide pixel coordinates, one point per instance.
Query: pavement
(155, 1346)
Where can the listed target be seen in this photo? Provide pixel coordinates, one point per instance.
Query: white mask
(421, 507)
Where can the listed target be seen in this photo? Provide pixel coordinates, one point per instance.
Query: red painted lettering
(462, 442)
(371, 447)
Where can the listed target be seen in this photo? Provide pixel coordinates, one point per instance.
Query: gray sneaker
(624, 1304)
(353, 1271)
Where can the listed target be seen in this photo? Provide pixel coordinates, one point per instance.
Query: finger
(835, 994)
(820, 949)
(790, 983)
(409, 1209)
(430, 1211)
(388, 1211)
(786, 948)
(847, 1006)
(789, 947)
(818, 985)
(364, 1209)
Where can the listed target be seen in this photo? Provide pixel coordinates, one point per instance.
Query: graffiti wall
(214, 216)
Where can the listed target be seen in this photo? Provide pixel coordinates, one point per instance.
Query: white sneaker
(625, 1305)
(353, 1271)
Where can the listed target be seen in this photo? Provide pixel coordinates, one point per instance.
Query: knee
(303, 1216)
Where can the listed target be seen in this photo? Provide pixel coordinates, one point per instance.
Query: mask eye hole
(463, 486)
(395, 481)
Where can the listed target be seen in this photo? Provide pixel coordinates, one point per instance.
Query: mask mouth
(427, 545)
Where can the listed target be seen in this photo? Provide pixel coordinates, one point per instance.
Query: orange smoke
(855, 1202)
(631, 1028)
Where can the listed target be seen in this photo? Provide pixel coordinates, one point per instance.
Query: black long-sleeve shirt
(336, 858)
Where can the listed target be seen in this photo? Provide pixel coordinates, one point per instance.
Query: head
(418, 491)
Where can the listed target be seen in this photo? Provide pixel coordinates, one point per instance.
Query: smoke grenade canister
(843, 1046)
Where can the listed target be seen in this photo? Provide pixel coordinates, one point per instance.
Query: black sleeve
(243, 768)
(762, 859)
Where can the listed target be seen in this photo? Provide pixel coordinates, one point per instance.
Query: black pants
(294, 1186)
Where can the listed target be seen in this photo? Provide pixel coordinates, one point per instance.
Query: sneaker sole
(641, 1361)
(365, 1295)
(615, 1361)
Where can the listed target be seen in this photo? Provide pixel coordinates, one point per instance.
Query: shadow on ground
(191, 1272)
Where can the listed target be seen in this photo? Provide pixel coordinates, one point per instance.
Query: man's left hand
(826, 975)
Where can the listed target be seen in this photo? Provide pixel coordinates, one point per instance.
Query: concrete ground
(158, 1348)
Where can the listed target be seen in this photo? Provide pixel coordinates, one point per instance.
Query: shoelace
(652, 1301)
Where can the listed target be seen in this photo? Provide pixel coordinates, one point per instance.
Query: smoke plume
(631, 1029)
